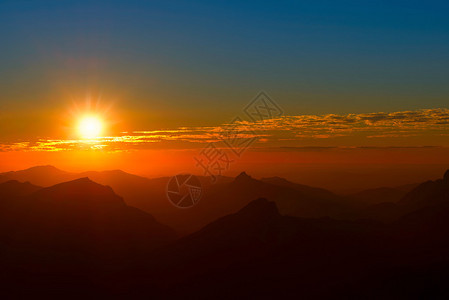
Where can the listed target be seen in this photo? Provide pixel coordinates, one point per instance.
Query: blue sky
(202, 61)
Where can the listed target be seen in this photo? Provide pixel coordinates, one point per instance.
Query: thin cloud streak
(273, 132)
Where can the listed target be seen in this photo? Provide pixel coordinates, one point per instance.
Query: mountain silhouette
(257, 251)
(307, 190)
(425, 195)
(226, 196)
(379, 195)
(428, 193)
(13, 188)
(40, 175)
(231, 194)
(82, 215)
(229, 197)
(81, 192)
(81, 237)
(290, 198)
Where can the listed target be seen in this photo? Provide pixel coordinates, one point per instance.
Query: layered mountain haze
(424, 195)
(226, 196)
(224, 149)
(266, 253)
(40, 175)
(428, 193)
(90, 237)
(307, 190)
(380, 195)
(150, 195)
(14, 188)
(79, 214)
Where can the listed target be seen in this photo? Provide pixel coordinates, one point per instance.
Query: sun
(90, 127)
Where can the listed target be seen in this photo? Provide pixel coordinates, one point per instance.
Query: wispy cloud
(293, 130)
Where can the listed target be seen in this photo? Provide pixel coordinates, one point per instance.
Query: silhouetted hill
(58, 236)
(257, 251)
(229, 197)
(13, 188)
(379, 195)
(79, 215)
(226, 196)
(428, 193)
(291, 199)
(40, 175)
(260, 252)
(96, 245)
(306, 190)
(243, 223)
(81, 192)
(147, 194)
(425, 195)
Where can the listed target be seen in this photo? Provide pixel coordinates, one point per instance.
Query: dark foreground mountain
(74, 219)
(257, 252)
(79, 239)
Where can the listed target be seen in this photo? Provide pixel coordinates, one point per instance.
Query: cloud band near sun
(417, 128)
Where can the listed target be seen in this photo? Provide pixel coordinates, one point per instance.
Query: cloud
(379, 124)
(272, 132)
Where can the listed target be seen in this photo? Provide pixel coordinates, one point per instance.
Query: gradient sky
(169, 64)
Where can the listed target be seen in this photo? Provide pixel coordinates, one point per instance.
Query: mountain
(229, 197)
(81, 215)
(253, 251)
(425, 195)
(291, 199)
(80, 237)
(248, 228)
(226, 196)
(379, 195)
(428, 193)
(62, 235)
(306, 190)
(257, 251)
(13, 188)
(382, 194)
(39, 175)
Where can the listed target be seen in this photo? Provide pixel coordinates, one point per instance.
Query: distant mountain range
(14, 188)
(81, 237)
(75, 213)
(225, 197)
(80, 234)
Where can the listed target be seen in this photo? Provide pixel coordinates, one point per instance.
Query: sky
(170, 75)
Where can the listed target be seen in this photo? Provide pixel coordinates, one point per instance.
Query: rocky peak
(446, 178)
(243, 176)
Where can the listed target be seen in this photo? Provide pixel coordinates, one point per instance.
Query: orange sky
(326, 167)
(270, 145)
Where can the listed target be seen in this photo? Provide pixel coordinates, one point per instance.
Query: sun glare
(90, 127)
